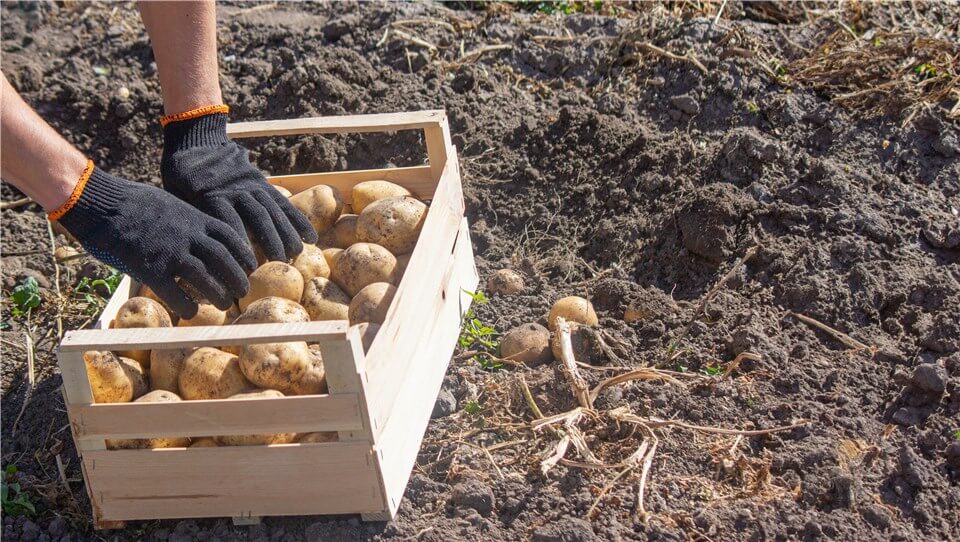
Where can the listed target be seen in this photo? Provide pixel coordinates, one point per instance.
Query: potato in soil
(582, 343)
(209, 373)
(324, 300)
(270, 310)
(367, 192)
(273, 279)
(114, 379)
(393, 223)
(371, 303)
(156, 396)
(255, 440)
(139, 312)
(527, 343)
(573, 309)
(363, 264)
(165, 367)
(321, 205)
(505, 282)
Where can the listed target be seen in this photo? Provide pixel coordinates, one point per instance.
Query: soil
(593, 167)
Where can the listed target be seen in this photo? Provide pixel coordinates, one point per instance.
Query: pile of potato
(366, 247)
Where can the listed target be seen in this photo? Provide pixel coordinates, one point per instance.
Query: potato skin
(393, 223)
(529, 343)
(204, 442)
(156, 396)
(321, 204)
(505, 282)
(255, 440)
(363, 264)
(314, 379)
(573, 309)
(273, 310)
(207, 315)
(403, 260)
(324, 300)
(371, 303)
(367, 192)
(114, 379)
(283, 191)
(584, 349)
(139, 312)
(318, 437)
(146, 292)
(209, 373)
(275, 365)
(165, 367)
(311, 263)
(345, 231)
(276, 279)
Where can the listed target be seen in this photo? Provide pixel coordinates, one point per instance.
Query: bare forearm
(184, 39)
(35, 158)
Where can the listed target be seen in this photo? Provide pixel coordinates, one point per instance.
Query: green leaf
(712, 371)
(956, 434)
(26, 295)
(472, 407)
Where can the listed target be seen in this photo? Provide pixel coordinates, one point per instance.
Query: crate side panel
(125, 290)
(302, 414)
(418, 179)
(343, 124)
(332, 478)
(399, 442)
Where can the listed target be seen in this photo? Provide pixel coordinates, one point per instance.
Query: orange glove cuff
(58, 213)
(194, 113)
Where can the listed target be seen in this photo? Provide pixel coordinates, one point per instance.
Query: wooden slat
(343, 366)
(182, 337)
(302, 414)
(437, 139)
(125, 290)
(329, 478)
(383, 122)
(399, 442)
(396, 342)
(417, 179)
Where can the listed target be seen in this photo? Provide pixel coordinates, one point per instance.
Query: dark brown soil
(593, 167)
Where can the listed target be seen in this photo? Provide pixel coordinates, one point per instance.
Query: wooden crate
(379, 403)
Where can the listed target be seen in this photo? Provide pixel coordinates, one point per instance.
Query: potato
(114, 379)
(315, 438)
(311, 263)
(139, 312)
(581, 339)
(371, 303)
(324, 300)
(529, 343)
(505, 282)
(331, 254)
(146, 292)
(271, 310)
(165, 367)
(347, 209)
(255, 440)
(204, 442)
(283, 191)
(275, 365)
(367, 192)
(368, 332)
(207, 315)
(363, 264)
(573, 309)
(393, 223)
(314, 380)
(321, 205)
(275, 279)
(403, 260)
(156, 396)
(345, 231)
(209, 373)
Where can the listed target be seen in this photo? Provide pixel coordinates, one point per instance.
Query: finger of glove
(297, 219)
(224, 210)
(258, 219)
(198, 275)
(172, 295)
(292, 244)
(237, 246)
(221, 264)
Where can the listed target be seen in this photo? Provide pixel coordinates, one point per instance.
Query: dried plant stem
(15, 203)
(737, 361)
(673, 56)
(838, 335)
(636, 374)
(537, 413)
(577, 384)
(622, 414)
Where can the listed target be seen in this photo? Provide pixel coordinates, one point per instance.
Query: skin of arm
(184, 40)
(35, 158)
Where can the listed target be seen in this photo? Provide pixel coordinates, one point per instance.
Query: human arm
(200, 164)
(139, 229)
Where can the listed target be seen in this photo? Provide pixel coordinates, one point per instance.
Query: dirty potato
(114, 379)
(393, 223)
(275, 279)
(324, 300)
(363, 264)
(321, 205)
(371, 303)
(367, 192)
(156, 396)
(209, 373)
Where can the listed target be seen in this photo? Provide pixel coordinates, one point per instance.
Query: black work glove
(204, 168)
(155, 238)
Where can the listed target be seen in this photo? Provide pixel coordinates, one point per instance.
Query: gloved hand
(154, 237)
(204, 168)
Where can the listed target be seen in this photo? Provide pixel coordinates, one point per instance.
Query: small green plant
(478, 336)
(753, 108)
(14, 501)
(87, 289)
(712, 370)
(925, 71)
(956, 434)
(472, 407)
(25, 297)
